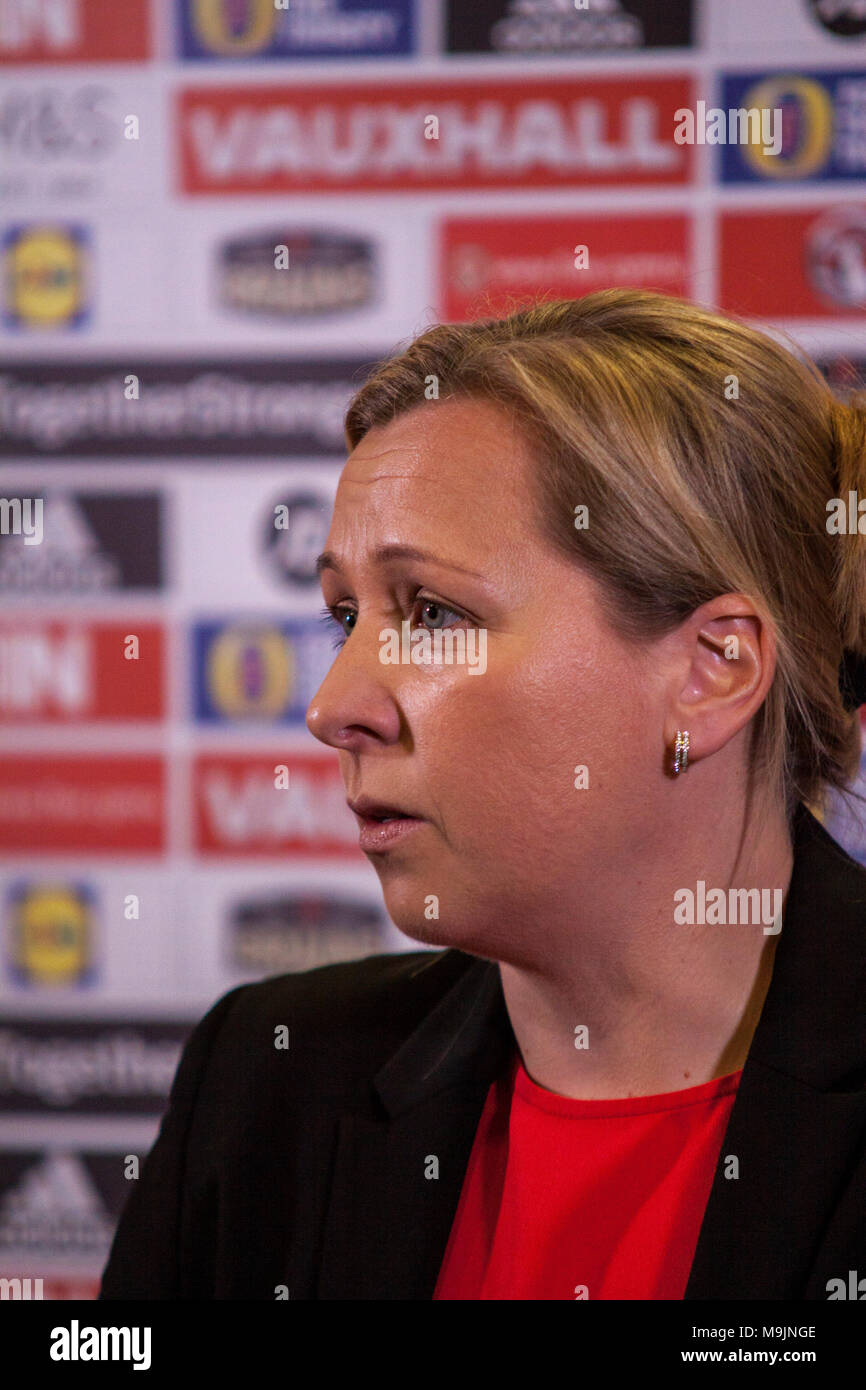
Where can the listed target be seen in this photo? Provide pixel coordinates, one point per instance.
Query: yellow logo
(213, 30)
(51, 935)
(808, 109)
(251, 672)
(45, 273)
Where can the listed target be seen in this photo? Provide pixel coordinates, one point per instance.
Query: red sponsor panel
(531, 132)
(73, 1289)
(72, 671)
(488, 263)
(240, 809)
(74, 31)
(91, 804)
(794, 262)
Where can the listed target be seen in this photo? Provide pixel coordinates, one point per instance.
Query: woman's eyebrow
(328, 559)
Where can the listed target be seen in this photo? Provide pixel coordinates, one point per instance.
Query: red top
(584, 1198)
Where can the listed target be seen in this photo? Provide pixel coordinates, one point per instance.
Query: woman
(634, 1068)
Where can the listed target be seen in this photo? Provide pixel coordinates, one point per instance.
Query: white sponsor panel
(817, 30)
(248, 924)
(118, 272)
(232, 549)
(71, 943)
(349, 275)
(80, 142)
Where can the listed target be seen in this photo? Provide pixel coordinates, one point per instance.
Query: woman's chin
(433, 930)
(428, 931)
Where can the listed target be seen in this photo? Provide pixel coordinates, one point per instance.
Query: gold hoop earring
(681, 751)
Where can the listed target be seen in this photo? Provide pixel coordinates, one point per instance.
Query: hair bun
(852, 680)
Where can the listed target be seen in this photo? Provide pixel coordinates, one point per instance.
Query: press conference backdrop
(172, 388)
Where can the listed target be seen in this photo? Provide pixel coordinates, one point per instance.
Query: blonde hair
(706, 454)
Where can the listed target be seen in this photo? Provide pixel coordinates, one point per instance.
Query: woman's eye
(337, 616)
(431, 614)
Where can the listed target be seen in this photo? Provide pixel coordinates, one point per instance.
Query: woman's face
(484, 758)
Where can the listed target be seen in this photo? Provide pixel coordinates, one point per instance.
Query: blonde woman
(634, 1066)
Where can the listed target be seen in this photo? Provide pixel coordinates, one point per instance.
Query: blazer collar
(465, 1038)
(811, 1022)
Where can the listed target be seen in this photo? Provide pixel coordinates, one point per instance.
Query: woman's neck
(644, 1003)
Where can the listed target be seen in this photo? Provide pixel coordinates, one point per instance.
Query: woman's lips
(381, 835)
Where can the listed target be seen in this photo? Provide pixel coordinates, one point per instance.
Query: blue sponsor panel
(47, 276)
(246, 30)
(50, 935)
(821, 125)
(263, 671)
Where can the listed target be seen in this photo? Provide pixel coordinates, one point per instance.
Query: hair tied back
(852, 679)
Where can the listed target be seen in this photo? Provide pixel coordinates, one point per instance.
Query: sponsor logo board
(531, 132)
(46, 276)
(51, 934)
(239, 809)
(74, 31)
(214, 30)
(88, 803)
(92, 543)
(69, 670)
(490, 263)
(823, 133)
(794, 262)
(564, 26)
(258, 669)
(88, 1067)
(216, 406)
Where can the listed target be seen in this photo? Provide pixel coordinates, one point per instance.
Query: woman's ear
(728, 658)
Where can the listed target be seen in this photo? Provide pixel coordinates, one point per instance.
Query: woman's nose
(357, 699)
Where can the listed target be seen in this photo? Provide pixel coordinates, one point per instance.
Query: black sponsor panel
(297, 274)
(544, 26)
(844, 18)
(89, 542)
(88, 1067)
(61, 1202)
(277, 935)
(245, 408)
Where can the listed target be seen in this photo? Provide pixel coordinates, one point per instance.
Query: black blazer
(306, 1167)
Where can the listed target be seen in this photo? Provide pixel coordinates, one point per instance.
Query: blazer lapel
(800, 1113)
(399, 1171)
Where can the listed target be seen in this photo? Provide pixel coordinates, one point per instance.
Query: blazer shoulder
(358, 989)
(354, 1013)
(836, 870)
